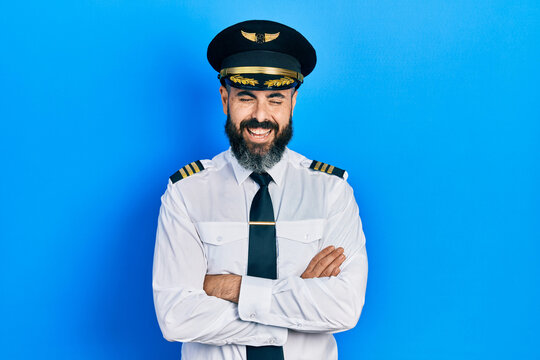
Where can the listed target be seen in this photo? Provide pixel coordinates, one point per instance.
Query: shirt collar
(277, 172)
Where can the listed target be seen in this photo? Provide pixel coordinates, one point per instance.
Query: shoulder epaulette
(325, 168)
(186, 171)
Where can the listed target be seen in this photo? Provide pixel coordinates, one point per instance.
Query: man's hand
(325, 263)
(226, 286)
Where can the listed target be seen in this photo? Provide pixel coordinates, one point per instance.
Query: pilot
(260, 252)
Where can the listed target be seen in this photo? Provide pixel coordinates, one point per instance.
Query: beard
(258, 157)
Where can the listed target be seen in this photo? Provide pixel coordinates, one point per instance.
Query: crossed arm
(231, 309)
(325, 263)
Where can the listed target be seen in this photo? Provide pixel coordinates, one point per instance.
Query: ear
(224, 97)
(293, 101)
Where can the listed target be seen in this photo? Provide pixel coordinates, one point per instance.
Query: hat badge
(259, 38)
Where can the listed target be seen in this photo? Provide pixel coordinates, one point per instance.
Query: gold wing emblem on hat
(258, 37)
(270, 37)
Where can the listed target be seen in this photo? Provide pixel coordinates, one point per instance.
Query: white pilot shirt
(203, 229)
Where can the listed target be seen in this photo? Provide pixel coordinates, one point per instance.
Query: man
(260, 252)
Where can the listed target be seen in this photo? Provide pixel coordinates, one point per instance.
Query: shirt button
(272, 341)
(252, 316)
(299, 325)
(219, 238)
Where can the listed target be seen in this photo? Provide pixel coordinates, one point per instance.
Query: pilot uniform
(204, 228)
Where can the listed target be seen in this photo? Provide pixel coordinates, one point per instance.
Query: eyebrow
(246, 93)
(275, 95)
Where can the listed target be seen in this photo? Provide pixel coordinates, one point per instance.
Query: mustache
(254, 123)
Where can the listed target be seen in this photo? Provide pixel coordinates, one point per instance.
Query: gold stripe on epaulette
(188, 168)
(323, 169)
(326, 168)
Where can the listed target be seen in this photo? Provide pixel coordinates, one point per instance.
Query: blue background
(432, 107)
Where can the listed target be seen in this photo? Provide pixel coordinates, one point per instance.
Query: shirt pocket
(225, 246)
(298, 242)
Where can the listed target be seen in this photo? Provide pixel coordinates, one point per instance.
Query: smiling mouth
(258, 133)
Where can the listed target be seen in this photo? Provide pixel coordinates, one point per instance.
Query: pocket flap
(301, 230)
(217, 233)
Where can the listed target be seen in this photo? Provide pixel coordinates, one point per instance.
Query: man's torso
(218, 200)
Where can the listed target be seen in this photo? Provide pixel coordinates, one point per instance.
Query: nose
(260, 111)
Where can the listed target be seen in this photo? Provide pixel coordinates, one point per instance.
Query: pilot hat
(261, 55)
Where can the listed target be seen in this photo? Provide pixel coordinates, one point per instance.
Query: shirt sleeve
(184, 311)
(326, 304)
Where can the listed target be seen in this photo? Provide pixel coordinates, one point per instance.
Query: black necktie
(262, 252)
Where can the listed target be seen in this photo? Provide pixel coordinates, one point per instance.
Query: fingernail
(342, 256)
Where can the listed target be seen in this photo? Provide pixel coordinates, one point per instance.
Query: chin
(259, 148)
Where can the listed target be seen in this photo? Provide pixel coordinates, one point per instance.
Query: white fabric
(203, 229)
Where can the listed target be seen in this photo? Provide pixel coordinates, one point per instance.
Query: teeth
(259, 132)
